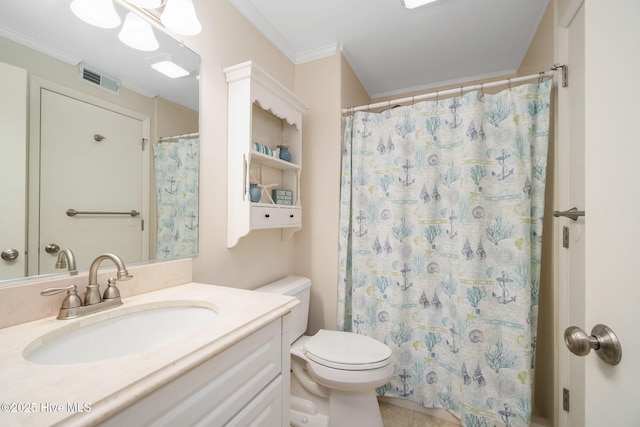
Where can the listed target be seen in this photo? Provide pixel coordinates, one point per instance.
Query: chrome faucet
(66, 259)
(72, 305)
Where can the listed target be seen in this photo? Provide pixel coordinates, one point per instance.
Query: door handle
(52, 248)
(602, 339)
(9, 254)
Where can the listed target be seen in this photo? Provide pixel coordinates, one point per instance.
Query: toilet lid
(346, 350)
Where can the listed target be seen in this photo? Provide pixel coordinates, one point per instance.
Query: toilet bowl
(334, 374)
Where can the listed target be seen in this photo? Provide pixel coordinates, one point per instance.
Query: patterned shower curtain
(440, 240)
(177, 174)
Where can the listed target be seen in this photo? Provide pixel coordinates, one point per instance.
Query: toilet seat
(346, 351)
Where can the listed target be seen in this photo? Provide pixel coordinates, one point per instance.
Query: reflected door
(13, 164)
(91, 161)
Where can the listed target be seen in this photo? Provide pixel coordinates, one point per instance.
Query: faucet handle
(112, 290)
(72, 299)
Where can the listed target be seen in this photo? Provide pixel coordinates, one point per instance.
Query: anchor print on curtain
(177, 173)
(440, 240)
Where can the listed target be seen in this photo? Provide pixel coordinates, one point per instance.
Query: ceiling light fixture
(412, 4)
(146, 4)
(138, 34)
(165, 65)
(180, 17)
(100, 13)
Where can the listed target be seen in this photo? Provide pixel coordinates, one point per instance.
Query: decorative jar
(284, 153)
(255, 194)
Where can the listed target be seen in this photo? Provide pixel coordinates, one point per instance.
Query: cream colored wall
(352, 91)
(174, 119)
(563, 5)
(227, 38)
(318, 84)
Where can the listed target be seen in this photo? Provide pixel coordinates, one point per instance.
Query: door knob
(602, 339)
(52, 248)
(9, 254)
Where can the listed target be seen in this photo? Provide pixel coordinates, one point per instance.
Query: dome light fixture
(99, 13)
(412, 4)
(137, 33)
(146, 4)
(180, 17)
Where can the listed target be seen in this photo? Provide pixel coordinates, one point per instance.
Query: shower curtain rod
(185, 135)
(459, 90)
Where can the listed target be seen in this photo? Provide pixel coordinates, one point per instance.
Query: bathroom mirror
(68, 52)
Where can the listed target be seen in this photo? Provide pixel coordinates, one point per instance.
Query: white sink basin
(130, 333)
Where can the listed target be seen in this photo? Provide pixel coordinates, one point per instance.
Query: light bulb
(180, 17)
(137, 33)
(100, 13)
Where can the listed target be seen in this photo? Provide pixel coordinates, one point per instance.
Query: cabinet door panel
(216, 390)
(264, 410)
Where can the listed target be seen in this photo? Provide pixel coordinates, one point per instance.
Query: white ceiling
(395, 50)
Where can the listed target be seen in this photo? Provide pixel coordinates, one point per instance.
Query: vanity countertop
(43, 395)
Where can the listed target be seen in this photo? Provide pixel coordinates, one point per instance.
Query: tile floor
(395, 416)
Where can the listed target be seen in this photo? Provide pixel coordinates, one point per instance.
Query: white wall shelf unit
(263, 111)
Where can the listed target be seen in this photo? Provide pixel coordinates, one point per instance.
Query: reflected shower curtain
(440, 239)
(177, 174)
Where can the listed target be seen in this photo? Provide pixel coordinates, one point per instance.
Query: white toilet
(334, 374)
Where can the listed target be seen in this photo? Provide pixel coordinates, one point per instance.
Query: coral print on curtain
(177, 172)
(440, 240)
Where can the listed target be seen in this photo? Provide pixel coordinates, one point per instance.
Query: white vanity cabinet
(245, 385)
(261, 111)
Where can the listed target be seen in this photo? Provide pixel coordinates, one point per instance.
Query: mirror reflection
(100, 151)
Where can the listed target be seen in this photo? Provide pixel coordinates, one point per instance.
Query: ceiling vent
(99, 79)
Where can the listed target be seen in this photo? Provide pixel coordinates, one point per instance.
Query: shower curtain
(177, 172)
(440, 240)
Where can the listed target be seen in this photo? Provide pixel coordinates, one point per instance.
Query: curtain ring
(413, 101)
(482, 89)
(461, 93)
(540, 78)
(437, 97)
(509, 80)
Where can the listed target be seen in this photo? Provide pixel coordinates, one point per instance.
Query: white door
(13, 168)
(601, 394)
(570, 173)
(91, 161)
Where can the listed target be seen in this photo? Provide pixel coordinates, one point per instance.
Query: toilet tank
(295, 286)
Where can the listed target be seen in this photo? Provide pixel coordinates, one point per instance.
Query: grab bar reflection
(73, 212)
(572, 213)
